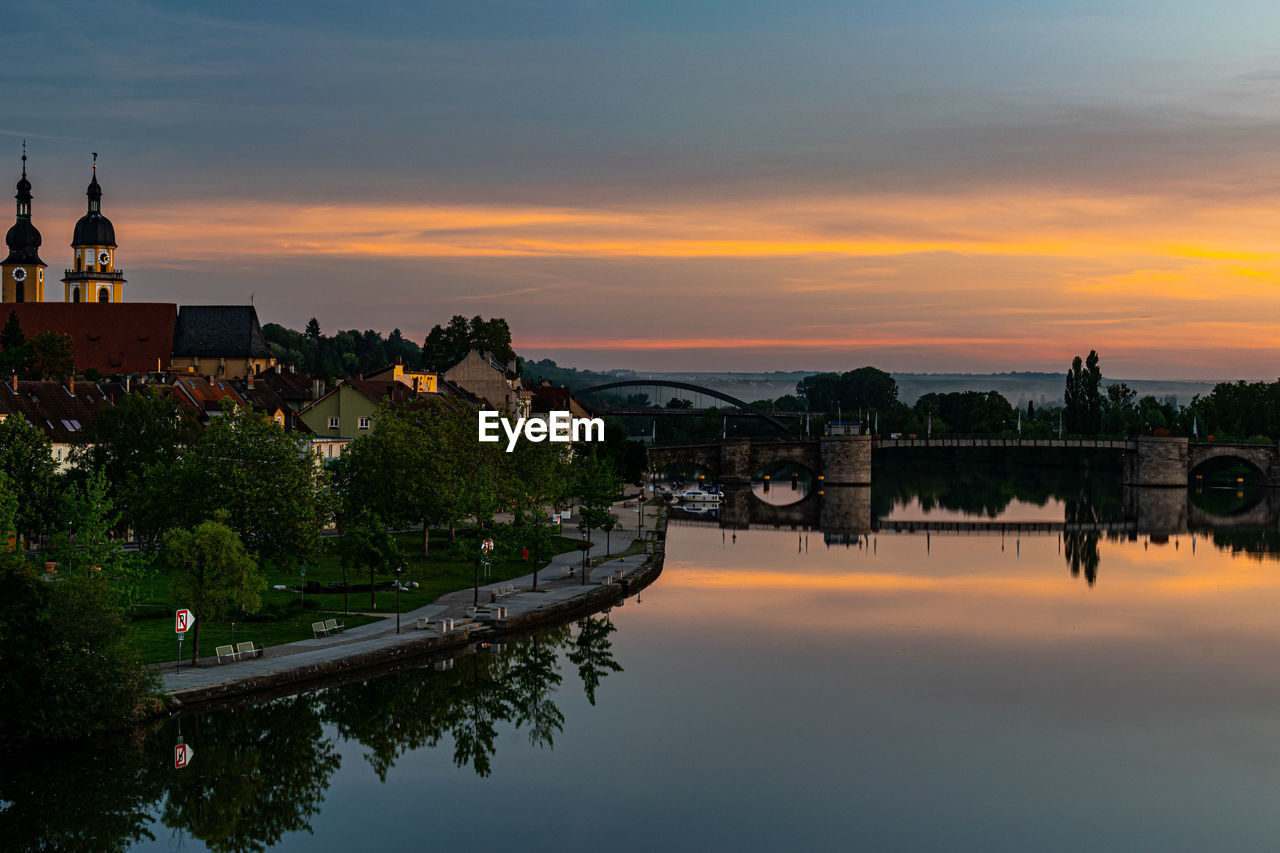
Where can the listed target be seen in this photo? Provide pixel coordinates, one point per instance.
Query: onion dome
(94, 229)
(23, 239)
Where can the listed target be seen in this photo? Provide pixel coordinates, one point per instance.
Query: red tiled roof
(202, 395)
(116, 337)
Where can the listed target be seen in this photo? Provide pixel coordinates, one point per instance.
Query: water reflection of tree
(261, 771)
(415, 708)
(533, 678)
(94, 796)
(593, 653)
(1080, 547)
(258, 773)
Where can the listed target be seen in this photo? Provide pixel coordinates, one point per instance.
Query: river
(1031, 688)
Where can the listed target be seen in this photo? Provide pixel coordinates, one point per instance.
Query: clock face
(19, 274)
(104, 257)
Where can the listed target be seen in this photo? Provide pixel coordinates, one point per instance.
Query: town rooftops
(60, 411)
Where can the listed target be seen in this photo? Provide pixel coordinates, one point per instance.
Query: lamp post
(399, 572)
(302, 588)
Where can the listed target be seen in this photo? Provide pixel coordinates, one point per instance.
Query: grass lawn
(159, 644)
(445, 570)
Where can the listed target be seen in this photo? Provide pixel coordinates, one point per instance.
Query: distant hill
(1017, 387)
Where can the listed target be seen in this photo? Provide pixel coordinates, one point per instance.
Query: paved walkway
(559, 581)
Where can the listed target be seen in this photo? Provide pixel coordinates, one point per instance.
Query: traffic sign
(486, 546)
(182, 755)
(183, 620)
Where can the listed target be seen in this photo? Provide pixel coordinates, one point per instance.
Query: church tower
(95, 277)
(23, 270)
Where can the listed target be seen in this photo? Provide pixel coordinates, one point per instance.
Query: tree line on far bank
(1090, 407)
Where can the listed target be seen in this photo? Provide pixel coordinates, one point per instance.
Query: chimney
(128, 380)
(399, 359)
(279, 366)
(248, 382)
(317, 388)
(14, 381)
(71, 386)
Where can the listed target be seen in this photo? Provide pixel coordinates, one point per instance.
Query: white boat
(698, 496)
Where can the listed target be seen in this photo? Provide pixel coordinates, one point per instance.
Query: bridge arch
(1259, 459)
(688, 386)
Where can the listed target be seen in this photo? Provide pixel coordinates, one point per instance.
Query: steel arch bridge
(688, 386)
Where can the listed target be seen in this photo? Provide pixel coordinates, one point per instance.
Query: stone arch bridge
(846, 460)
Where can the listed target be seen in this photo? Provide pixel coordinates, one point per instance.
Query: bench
(246, 650)
(334, 625)
(319, 629)
(226, 652)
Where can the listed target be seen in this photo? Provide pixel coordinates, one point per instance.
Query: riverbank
(562, 595)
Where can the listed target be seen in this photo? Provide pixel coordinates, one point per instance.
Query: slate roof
(219, 331)
(295, 388)
(112, 337)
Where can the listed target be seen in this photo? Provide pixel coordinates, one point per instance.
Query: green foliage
(260, 475)
(967, 412)
(68, 666)
(141, 430)
(345, 354)
(446, 346)
(866, 388)
(27, 461)
(83, 544)
(212, 573)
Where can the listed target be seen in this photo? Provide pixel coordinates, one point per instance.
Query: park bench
(246, 650)
(319, 629)
(334, 625)
(226, 652)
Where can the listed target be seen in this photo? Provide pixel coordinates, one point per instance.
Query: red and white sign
(182, 755)
(183, 620)
(486, 547)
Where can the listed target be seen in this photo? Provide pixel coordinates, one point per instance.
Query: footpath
(561, 595)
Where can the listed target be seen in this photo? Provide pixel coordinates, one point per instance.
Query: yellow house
(419, 380)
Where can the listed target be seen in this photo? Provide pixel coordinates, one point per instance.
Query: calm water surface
(770, 691)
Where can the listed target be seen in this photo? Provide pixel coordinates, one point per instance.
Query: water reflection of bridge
(846, 510)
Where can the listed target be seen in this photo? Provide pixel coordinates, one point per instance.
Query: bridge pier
(1157, 462)
(845, 460)
(735, 461)
(1156, 510)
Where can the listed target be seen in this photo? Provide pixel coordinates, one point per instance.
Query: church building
(94, 277)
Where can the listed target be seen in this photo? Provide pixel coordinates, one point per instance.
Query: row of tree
(351, 352)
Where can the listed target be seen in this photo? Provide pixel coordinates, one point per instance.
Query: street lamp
(302, 588)
(399, 571)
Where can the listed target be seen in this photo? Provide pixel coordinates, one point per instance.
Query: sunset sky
(728, 185)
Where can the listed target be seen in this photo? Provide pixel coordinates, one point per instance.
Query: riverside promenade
(561, 595)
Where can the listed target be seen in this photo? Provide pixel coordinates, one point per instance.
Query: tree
(212, 572)
(27, 460)
(313, 330)
(1092, 392)
(141, 430)
(446, 346)
(1073, 414)
(52, 356)
(366, 542)
(57, 683)
(261, 476)
(15, 352)
(83, 543)
(595, 486)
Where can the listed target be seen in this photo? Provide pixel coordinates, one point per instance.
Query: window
(104, 295)
(364, 423)
(333, 423)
